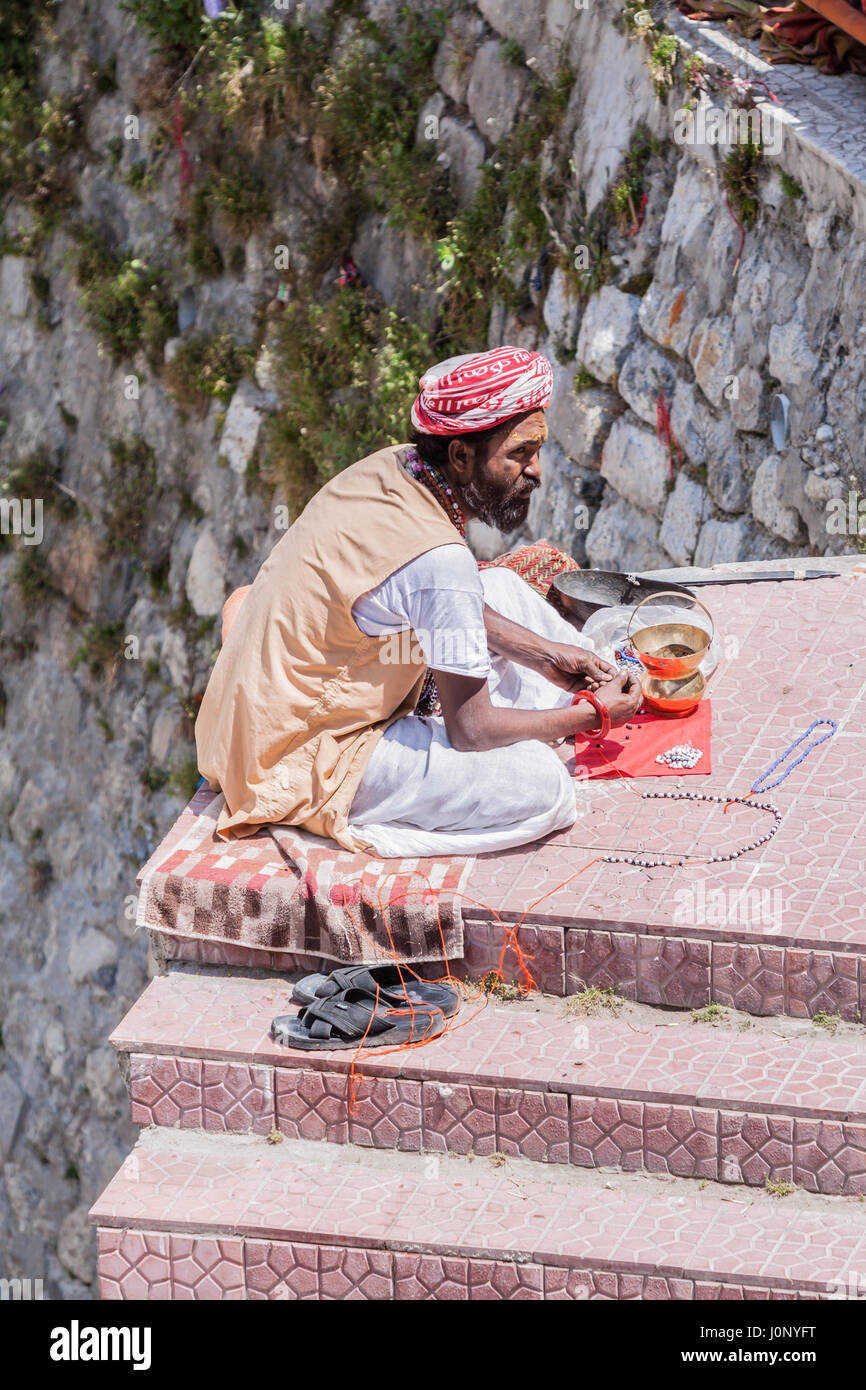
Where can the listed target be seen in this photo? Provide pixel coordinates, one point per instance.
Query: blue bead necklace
(758, 785)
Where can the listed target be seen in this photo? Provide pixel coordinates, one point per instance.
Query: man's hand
(621, 696)
(573, 668)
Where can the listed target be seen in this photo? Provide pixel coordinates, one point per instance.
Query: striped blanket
(285, 890)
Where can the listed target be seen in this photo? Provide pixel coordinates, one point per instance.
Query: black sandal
(347, 1019)
(394, 987)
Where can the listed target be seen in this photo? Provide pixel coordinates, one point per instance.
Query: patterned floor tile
(606, 1133)
(600, 959)
(532, 1124)
(354, 1274)
(312, 1105)
(680, 1140)
(496, 1279)
(238, 1099)
(673, 971)
(459, 1119)
(134, 1265)
(541, 946)
(281, 1270)
(749, 978)
(755, 1148)
(388, 1114)
(830, 1157)
(422, 1277)
(166, 1091)
(207, 1269)
(818, 981)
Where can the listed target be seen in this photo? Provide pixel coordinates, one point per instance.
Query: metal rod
(747, 577)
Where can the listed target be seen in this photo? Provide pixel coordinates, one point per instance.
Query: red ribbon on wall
(185, 166)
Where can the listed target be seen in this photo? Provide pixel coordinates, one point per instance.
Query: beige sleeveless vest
(299, 696)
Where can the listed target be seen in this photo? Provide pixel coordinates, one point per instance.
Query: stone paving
(529, 1153)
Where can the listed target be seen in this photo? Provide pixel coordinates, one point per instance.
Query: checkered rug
(284, 889)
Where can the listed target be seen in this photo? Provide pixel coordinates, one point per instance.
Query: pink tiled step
(211, 1217)
(669, 1097)
(759, 974)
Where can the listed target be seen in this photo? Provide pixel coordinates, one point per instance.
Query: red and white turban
(481, 390)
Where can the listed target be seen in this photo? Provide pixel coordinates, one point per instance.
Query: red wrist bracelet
(602, 711)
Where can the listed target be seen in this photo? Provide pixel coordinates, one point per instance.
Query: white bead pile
(682, 755)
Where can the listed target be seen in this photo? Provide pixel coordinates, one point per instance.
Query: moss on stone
(206, 367)
(126, 300)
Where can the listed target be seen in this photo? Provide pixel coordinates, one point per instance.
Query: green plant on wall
(347, 373)
(790, 186)
(626, 193)
(131, 490)
(35, 477)
(126, 300)
(740, 171)
(244, 66)
(174, 25)
(660, 46)
(206, 367)
(366, 104)
(662, 61)
(32, 577)
(592, 266)
(505, 221)
(21, 25)
(241, 196)
(204, 255)
(101, 647)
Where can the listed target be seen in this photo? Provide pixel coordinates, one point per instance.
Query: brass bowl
(675, 697)
(671, 651)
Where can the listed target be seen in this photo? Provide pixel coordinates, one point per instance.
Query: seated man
(371, 603)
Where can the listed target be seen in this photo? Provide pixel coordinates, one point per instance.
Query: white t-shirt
(439, 597)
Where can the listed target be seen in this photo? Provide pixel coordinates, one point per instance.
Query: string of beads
(757, 787)
(435, 481)
(715, 858)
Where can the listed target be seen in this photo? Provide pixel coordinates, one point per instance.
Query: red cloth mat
(633, 751)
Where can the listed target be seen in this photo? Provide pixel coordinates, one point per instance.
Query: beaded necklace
(660, 863)
(816, 723)
(435, 482)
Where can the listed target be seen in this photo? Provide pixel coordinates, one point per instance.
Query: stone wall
(89, 735)
(722, 338)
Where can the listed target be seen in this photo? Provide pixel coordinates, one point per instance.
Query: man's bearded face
(501, 488)
(500, 504)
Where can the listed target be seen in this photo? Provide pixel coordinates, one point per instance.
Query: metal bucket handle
(675, 593)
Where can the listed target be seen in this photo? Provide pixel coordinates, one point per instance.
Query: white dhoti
(420, 796)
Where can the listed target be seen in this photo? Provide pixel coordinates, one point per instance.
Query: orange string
(509, 942)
